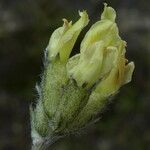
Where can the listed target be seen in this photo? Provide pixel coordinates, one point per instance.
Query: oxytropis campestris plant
(73, 91)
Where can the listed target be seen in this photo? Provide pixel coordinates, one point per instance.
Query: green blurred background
(25, 28)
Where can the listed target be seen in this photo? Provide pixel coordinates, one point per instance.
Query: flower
(64, 38)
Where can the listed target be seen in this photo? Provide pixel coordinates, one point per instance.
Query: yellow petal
(69, 38)
(109, 60)
(105, 30)
(72, 62)
(108, 85)
(128, 72)
(88, 68)
(96, 33)
(55, 40)
(112, 82)
(108, 13)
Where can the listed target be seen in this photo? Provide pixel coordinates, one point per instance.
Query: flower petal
(108, 13)
(88, 68)
(128, 72)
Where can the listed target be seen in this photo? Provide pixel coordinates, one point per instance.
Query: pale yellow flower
(64, 38)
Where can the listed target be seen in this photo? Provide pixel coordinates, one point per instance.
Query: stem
(46, 143)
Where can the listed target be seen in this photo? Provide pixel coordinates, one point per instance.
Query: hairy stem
(46, 143)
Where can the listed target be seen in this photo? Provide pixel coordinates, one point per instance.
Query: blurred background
(25, 29)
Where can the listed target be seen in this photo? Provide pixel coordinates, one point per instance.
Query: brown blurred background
(25, 28)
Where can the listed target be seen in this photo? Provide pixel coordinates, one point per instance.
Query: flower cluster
(74, 90)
